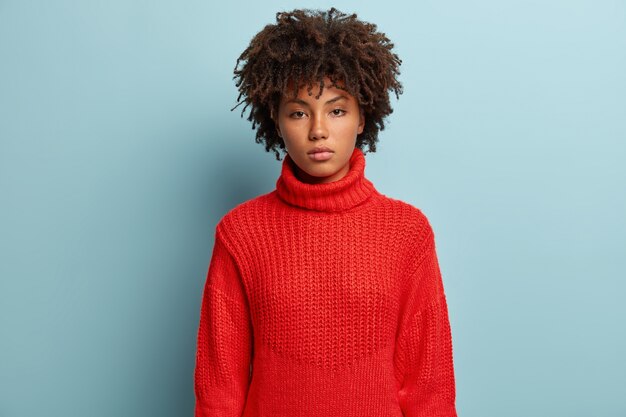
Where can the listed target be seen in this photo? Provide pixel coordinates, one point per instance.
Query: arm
(423, 357)
(224, 344)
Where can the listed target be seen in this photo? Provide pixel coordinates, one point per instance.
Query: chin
(321, 172)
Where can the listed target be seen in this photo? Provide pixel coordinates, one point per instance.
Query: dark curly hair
(304, 46)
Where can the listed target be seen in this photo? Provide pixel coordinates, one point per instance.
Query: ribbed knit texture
(324, 300)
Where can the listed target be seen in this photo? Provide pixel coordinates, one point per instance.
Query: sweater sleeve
(224, 339)
(423, 356)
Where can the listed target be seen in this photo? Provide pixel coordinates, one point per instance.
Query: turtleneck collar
(349, 191)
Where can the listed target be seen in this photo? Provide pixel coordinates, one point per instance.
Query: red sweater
(324, 300)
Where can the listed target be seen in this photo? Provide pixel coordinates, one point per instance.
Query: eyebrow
(304, 103)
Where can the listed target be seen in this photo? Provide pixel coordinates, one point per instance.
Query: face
(331, 122)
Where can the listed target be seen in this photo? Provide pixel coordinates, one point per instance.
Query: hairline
(304, 103)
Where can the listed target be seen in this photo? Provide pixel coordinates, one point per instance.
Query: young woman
(323, 297)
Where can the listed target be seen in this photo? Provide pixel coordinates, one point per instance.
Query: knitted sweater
(324, 300)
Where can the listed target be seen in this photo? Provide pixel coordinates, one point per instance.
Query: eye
(297, 114)
(338, 112)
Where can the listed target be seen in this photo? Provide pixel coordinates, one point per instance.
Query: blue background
(119, 153)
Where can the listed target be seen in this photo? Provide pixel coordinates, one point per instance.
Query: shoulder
(244, 217)
(409, 228)
(412, 218)
(416, 235)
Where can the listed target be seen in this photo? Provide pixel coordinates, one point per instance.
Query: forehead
(303, 92)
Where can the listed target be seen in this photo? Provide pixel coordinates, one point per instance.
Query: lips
(321, 153)
(320, 149)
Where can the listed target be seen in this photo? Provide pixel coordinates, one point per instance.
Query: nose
(318, 128)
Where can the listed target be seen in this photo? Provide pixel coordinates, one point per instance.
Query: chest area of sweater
(317, 289)
(347, 255)
(324, 267)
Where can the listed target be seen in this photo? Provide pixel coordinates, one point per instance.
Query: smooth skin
(333, 120)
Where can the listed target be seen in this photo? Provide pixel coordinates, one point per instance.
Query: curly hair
(305, 46)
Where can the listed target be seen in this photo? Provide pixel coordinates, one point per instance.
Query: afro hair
(304, 47)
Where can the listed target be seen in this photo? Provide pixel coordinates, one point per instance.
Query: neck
(351, 190)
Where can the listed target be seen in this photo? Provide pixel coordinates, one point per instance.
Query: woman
(323, 297)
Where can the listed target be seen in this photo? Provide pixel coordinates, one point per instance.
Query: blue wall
(119, 153)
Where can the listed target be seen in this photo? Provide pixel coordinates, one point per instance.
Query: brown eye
(341, 112)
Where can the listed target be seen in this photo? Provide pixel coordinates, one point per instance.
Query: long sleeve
(224, 344)
(423, 357)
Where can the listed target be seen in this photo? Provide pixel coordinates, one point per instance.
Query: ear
(361, 121)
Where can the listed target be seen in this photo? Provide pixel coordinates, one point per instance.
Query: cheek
(291, 130)
(288, 131)
(350, 127)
